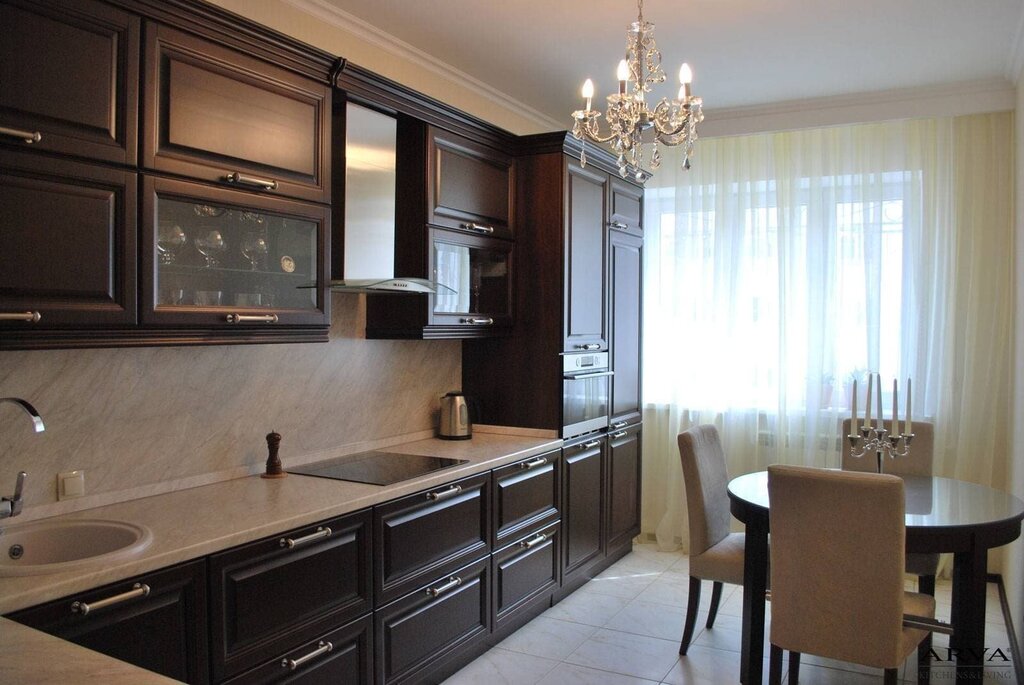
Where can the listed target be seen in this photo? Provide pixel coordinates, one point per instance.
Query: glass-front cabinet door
(228, 258)
(475, 280)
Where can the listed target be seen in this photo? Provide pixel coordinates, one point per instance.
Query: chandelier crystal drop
(631, 123)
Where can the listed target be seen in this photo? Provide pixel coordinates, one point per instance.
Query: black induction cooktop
(377, 468)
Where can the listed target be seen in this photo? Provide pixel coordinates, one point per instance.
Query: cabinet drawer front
(624, 465)
(267, 595)
(626, 207)
(419, 537)
(163, 631)
(583, 494)
(70, 72)
(211, 111)
(340, 657)
(471, 186)
(526, 496)
(421, 627)
(525, 570)
(67, 246)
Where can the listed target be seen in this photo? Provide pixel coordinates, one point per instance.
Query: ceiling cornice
(324, 10)
(1015, 60)
(952, 99)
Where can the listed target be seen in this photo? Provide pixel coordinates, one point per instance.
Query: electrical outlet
(70, 484)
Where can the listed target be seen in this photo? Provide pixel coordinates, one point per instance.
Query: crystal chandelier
(631, 123)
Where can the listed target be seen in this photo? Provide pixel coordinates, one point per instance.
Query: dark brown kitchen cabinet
(430, 533)
(625, 270)
(583, 522)
(623, 487)
(69, 78)
(586, 201)
(476, 278)
(418, 633)
(470, 187)
(67, 245)
(625, 208)
(218, 115)
(526, 570)
(343, 656)
(527, 496)
(281, 592)
(228, 259)
(156, 621)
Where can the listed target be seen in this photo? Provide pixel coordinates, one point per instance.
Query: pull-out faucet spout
(11, 506)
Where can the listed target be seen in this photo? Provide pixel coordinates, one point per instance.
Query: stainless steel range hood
(370, 170)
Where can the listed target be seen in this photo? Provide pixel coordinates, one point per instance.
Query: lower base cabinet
(525, 572)
(418, 631)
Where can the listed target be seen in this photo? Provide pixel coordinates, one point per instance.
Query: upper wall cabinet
(69, 78)
(625, 210)
(471, 187)
(217, 115)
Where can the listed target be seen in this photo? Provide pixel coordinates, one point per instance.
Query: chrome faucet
(11, 506)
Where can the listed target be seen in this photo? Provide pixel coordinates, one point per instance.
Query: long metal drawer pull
(251, 318)
(83, 608)
(588, 445)
(261, 183)
(321, 532)
(452, 583)
(485, 321)
(539, 461)
(619, 424)
(26, 136)
(479, 228)
(589, 346)
(322, 648)
(29, 317)
(584, 376)
(619, 434)
(444, 494)
(533, 542)
(618, 224)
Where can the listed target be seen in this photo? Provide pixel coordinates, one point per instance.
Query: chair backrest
(837, 562)
(707, 480)
(917, 463)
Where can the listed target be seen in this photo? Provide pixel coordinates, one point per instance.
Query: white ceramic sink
(57, 546)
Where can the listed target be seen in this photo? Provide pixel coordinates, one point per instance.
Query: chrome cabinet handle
(589, 346)
(444, 494)
(620, 424)
(588, 445)
(584, 376)
(617, 224)
(484, 321)
(255, 318)
(526, 465)
(28, 317)
(533, 542)
(452, 583)
(321, 532)
(479, 228)
(83, 608)
(322, 648)
(26, 136)
(620, 434)
(252, 181)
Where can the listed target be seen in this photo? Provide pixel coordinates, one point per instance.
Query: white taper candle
(895, 409)
(867, 416)
(854, 421)
(909, 427)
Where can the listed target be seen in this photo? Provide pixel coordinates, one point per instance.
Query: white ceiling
(743, 52)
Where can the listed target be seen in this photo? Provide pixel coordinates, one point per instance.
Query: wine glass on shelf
(169, 241)
(254, 248)
(211, 245)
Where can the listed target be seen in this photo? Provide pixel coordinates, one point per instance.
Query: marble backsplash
(149, 420)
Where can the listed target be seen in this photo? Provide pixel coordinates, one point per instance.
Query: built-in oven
(586, 391)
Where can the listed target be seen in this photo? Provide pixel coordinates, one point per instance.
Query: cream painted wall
(286, 18)
(1013, 571)
(147, 420)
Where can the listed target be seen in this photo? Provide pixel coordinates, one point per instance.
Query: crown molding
(326, 11)
(1015, 59)
(953, 99)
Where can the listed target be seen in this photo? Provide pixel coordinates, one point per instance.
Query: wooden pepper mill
(274, 469)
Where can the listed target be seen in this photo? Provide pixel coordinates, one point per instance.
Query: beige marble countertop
(188, 524)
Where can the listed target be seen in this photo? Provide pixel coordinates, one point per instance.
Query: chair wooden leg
(691, 614)
(926, 585)
(775, 665)
(924, 662)
(716, 597)
(794, 668)
(891, 676)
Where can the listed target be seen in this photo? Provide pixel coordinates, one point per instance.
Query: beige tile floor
(624, 627)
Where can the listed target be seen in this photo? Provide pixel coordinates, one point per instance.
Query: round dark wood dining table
(942, 515)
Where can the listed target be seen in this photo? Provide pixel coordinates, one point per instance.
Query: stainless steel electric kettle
(454, 421)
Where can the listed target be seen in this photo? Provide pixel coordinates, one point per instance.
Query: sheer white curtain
(783, 266)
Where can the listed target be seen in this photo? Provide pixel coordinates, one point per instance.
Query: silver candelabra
(877, 440)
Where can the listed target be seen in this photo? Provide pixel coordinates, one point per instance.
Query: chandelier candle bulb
(685, 78)
(907, 425)
(588, 92)
(622, 73)
(854, 420)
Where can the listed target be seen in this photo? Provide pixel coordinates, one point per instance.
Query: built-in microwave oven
(586, 393)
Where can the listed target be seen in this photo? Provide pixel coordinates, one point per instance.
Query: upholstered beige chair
(837, 557)
(715, 553)
(917, 463)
